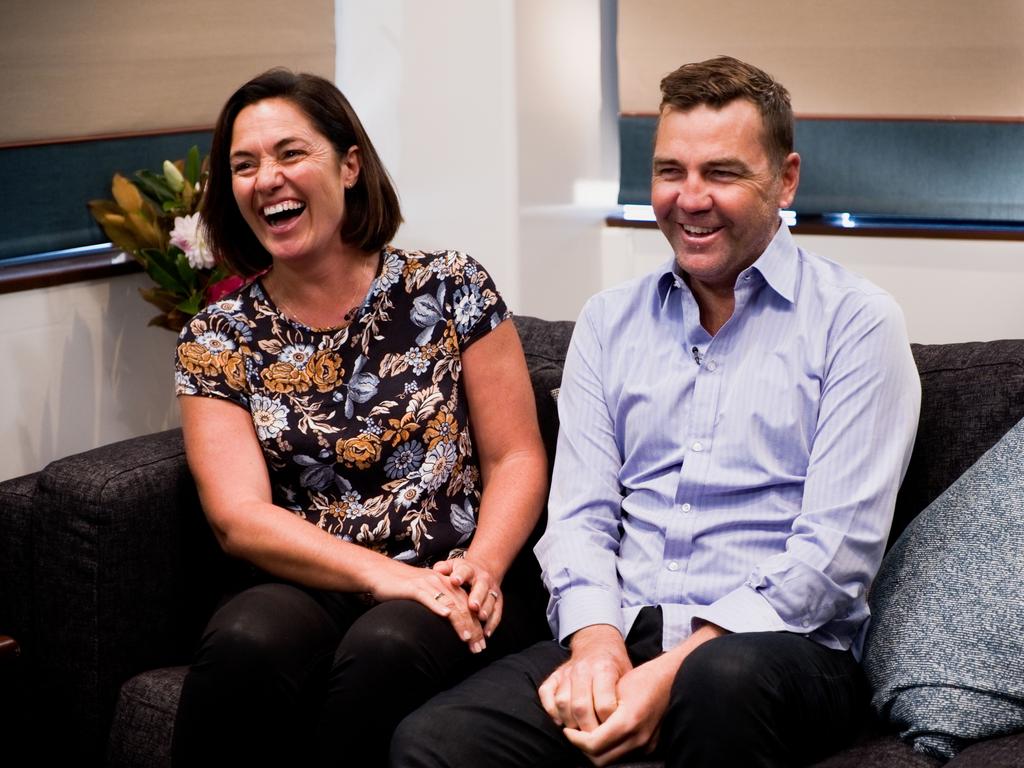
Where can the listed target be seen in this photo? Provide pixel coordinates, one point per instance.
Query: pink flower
(222, 288)
(189, 236)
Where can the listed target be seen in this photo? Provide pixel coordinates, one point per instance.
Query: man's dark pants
(766, 699)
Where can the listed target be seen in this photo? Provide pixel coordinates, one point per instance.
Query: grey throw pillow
(945, 650)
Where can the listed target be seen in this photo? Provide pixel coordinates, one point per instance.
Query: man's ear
(790, 178)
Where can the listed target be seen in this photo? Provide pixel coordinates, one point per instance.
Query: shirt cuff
(585, 606)
(742, 610)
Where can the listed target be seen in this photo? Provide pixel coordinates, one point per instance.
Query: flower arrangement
(155, 218)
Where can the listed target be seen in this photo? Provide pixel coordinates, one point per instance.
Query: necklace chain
(346, 318)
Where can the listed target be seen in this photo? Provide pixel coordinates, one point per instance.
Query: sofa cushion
(140, 736)
(944, 651)
(1005, 752)
(971, 394)
(879, 751)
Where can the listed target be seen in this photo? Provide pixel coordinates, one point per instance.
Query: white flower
(174, 178)
(188, 235)
(215, 341)
(269, 416)
(183, 385)
(297, 355)
(437, 466)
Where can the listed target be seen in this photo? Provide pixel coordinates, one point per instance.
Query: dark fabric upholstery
(16, 680)
(971, 394)
(882, 751)
(140, 735)
(16, 557)
(1005, 752)
(544, 345)
(108, 569)
(123, 566)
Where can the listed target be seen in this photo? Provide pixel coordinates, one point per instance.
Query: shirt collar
(777, 265)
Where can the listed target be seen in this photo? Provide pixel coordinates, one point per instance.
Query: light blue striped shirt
(753, 490)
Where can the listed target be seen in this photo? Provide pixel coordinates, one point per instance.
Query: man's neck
(716, 306)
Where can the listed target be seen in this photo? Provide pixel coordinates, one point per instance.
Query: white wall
(435, 85)
(492, 117)
(82, 369)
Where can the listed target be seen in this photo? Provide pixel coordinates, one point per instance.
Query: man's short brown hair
(723, 79)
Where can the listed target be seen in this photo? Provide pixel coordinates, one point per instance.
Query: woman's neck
(322, 294)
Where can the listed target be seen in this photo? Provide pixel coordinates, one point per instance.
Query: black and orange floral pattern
(365, 429)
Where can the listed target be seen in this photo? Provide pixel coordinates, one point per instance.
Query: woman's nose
(268, 175)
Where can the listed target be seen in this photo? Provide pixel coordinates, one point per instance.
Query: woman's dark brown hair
(372, 212)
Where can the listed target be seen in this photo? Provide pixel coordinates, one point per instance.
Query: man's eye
(723, 174)
(667, 173)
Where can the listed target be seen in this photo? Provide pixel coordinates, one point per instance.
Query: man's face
(716, 193)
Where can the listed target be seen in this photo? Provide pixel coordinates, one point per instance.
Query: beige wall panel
(913, 58)
(83, 68)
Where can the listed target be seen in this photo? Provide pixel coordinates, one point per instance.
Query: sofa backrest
(971, 394)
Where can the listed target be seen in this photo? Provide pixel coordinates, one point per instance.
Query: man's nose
(694, 195)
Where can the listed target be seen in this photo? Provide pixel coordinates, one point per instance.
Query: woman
(342, 422)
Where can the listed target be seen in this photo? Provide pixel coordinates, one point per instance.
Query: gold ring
(493, 594)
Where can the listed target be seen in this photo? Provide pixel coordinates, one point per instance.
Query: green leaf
(154, 186)
(188, 275)
(192, 165)
(161, 268)
(192, 304)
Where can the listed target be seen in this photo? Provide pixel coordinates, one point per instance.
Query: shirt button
(684, 507)
(698, 446)
(673, 566)
(712, 366)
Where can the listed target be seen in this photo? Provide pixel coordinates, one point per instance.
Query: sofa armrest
(126, 571)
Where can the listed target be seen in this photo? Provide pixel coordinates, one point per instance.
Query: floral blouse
(365, 429)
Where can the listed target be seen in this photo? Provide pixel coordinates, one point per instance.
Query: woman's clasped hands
(481, 587)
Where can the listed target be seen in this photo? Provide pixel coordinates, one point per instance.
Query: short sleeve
(209, 360)
(477, 305)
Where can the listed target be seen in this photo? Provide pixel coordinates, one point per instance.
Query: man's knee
(726, 676)
(413, 742)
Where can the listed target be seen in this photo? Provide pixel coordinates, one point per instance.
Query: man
(734, 429)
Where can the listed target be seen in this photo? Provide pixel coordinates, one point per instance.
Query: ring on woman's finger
(493, 594)
(439, 595)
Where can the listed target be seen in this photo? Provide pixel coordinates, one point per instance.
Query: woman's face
(288, 181)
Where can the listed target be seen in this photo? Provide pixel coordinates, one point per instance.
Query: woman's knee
(266, 627)
(398, 635)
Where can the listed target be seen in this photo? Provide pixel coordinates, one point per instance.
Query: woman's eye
(242, 168)
(293, 153)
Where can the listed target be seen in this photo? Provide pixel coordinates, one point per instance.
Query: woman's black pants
(290, 676)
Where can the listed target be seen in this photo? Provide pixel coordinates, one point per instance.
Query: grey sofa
(108, 570)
